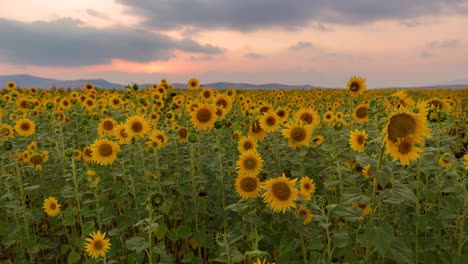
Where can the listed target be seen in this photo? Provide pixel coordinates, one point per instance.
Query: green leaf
(73, 257)
(137, 244)
(161, 231)
(379, 237)
(341, 238)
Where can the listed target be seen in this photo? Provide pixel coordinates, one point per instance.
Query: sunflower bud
(119, 154)
(218, 124)
(192, 138)
(338, 126)
(69, 153)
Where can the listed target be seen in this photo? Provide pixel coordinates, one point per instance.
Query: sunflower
(403, 124)
(51, 206)
(256, 131)
(88, 155)
(305, 213)
(106, 126)
(446, 160)
(317, 140)
(25, 127)
(250, 163)
(203, 117)
(104, 151)
(356, 85)
(282, 114)
(247, 187)
(88, 87)
(36, 159)
(193, 84)
(10, 85)
(297, 133)
(366, 208)
(366, 171)
(6, 132)
(223, 101)
(182, 135)
(160, 135)
(136, 126)
(328, 116)
(358, 140)
(280, 193)
(360, 113)
(97, 244)
(269, 122)
(308, 115)
(404, 150)
(307, 188)
(120, 132)
(246, 144)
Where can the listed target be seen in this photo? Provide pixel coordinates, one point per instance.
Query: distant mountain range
(24, 80)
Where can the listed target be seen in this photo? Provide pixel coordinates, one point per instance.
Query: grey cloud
(97, 14)
(69, 42)
(251, 15)
(446, 44)
(301, 45)
(253, 55)
(201, 58)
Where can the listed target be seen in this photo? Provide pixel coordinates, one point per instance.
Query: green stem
(304, 249)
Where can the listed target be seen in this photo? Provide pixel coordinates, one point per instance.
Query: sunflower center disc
(36, 159)
(281, 113)
(248, 184)
(401, 126)
(25, 126)
(271, 121)
(105, 150)
(256, 127)
(298, 134)
(354, 87)
(53, 206)
(222, 103)
(307, 118)
(183, 133)
(108, 125)
(360, 140)
(306, 187)
(250, 164)
(193, 84)
(137, 127)
(404, 147)
(281, 191)
(98, 245)
(204, 115)
(247, 145)
(361, 112)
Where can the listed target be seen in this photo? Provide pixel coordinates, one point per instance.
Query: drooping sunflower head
(366, 208)
(97, 245)
(366, 171)
(137, 126)
(317, 140)
(356, 85)
(446, 160)
(51, 206)
(280, 194)
(247, 187)
(297, 133)
(256, 131)
(203, 117)
(358, 140)
(104, 151)
(305, 213)
(25, 127)
(193, 84)
(250, 163)
(182, 135)
(6, 132)
(159, 135)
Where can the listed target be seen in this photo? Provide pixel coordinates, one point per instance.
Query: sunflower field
(197, 175)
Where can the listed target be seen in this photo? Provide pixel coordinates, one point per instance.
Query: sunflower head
(25, 127)
(280, 193)
(356, 85)
(358, 140)
(247, 187)
(193, 84)
(137, 126)
(250, 163)
(204, 116)
(297, 133)
(97, 244)
(104, 151)
(51, 206)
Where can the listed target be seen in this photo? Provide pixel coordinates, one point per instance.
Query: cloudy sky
(319, 42)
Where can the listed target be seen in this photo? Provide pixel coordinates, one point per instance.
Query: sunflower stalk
(219, 159)
(77, 194)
